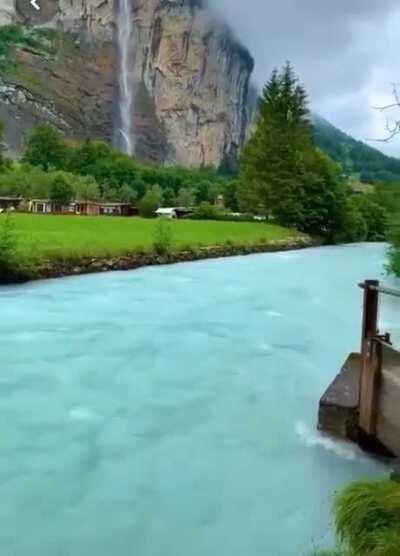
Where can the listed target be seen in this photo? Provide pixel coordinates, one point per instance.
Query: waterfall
(126, 85)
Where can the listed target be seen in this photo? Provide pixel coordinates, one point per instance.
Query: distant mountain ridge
(355, 156)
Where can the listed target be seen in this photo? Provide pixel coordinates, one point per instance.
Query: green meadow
(49, 237)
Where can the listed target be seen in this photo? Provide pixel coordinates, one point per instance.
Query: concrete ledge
(338, 407)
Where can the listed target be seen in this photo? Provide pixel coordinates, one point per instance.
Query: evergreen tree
(283, 175)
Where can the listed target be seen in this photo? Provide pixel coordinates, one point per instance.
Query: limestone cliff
(191, 78)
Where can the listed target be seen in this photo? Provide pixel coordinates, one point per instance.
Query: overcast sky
(347, 53)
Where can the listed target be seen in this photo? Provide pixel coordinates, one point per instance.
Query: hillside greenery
(354, 156)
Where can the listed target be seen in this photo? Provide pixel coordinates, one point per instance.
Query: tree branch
(392, 128)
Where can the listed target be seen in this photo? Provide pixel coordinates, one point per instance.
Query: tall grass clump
(162, 237)
(367, 519)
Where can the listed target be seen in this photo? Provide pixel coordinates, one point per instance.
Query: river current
(171, 411)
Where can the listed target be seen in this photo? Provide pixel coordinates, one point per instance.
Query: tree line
(54, 168)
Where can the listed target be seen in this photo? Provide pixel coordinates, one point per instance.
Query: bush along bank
(14, 267)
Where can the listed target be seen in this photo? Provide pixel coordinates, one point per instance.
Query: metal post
(369, 378)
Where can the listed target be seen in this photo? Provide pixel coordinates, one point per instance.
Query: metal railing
(373, 285)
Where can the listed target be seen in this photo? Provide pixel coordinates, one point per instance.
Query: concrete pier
(338, 407)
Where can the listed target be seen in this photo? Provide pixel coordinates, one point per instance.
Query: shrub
(13, 267)
(207, 211)
(162, 241)
(394, 252)
(150, 203)
(374, 215)
(353, 226)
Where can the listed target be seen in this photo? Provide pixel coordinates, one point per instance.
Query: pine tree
(283, 175)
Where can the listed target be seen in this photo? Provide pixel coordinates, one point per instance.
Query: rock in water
(192, 104)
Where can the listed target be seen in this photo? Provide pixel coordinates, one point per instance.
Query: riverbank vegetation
(388, 195)
(367, 519)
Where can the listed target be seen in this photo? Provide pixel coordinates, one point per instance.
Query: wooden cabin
(115, 209)
(46, 206)
(87, 208)
(40, 206)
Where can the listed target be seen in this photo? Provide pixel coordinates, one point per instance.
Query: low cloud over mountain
(345, 52)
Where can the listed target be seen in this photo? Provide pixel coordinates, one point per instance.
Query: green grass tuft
(367, 518)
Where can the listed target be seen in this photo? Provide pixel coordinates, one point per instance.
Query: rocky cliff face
(191, 78)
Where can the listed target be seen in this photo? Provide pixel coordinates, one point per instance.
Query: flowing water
(171, 411)
(126, 84)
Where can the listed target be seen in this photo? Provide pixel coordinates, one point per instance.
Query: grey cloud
(345, 51)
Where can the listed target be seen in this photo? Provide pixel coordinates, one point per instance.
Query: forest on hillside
(355, 157)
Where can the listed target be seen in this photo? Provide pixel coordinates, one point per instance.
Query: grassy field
(43, 236)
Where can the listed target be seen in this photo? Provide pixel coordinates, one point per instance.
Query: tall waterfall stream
(126, 83)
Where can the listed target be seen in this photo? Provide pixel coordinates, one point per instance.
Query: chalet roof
(10, 198)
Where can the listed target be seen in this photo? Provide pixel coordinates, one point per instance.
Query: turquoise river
(171, 411)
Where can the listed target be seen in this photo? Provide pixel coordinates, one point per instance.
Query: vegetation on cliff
(11, 36)
(367, 519)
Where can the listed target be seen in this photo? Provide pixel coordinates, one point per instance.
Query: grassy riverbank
(57, 237)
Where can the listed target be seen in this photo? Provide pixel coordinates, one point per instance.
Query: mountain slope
(355, 156)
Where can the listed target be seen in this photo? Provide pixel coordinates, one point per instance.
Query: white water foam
(275, 314)
(81, 413)
(312, 439)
